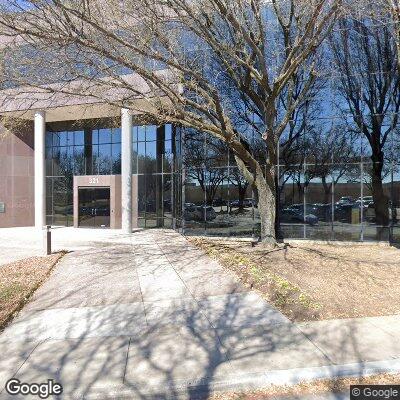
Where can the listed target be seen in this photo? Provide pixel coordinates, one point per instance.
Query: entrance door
(94, 207)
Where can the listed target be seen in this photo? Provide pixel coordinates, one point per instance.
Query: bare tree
(331, 156)
(392, 8)
(365, 56)
(205, 162)
(256, 46)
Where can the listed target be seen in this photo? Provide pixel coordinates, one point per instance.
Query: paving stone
(258, 349)
(177, 312)
(13, 355)
(84, 322)
(390, 324)
(352, 340)
(86, 296)
(238, 310)
(79, 365)
(170, 359)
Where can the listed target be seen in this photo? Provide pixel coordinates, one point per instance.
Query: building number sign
(94, 180)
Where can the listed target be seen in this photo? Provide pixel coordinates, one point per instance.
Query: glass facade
(190, 181)
(326, 191)
(73, 150)
(94, 148)
(156, 163)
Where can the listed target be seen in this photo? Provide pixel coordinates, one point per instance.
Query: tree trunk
(265, 196)
(242, 194)
(381, 202)
(267, 208)
(327, 190)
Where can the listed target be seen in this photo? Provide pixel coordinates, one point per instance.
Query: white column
(40, 169)
(126, 170)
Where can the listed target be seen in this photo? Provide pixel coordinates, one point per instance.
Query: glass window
(141, 157)
(151, 133)
(116, 159)
(168, 157)
(95, 136)
(56, 138)
(135, 133)
(63, 136)
(142, 196)
(68, 155)
(49, 139)
(79, 139)
(105, 159)
(56, 161)
(64, 161)
(141, 133)
(168, 132)
(151, 157)
(104, 136)
(70, 138)
(95, 160)
(135, 157)
(79, 160)
(49, 161)
(347, 210)
(116, 135)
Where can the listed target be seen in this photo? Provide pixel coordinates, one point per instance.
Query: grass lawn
(308, 281)
(19, 280)
(340, 385)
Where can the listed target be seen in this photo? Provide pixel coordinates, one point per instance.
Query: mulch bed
(19, 280)
(341, 385)
(309, 281)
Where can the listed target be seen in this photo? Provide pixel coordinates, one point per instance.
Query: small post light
(47, 240)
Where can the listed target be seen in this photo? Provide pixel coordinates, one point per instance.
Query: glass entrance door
(94, 207)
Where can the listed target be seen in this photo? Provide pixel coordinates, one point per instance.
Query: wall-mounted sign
(2, 208)
(93, 181)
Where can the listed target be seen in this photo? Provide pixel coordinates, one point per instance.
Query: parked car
(207, 212)
(343, 212)
(247, 203)
(250, 202)
(300, 207)
(234, 203)
(288, 215)
(199, 213)
(345, 200)
(322, 211)
(219, 202)
(366, 200)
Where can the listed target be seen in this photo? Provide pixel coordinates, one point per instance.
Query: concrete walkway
(149, 316)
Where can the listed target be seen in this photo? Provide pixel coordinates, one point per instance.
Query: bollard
(47, 240)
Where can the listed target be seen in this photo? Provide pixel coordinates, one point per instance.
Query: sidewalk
(150, 315)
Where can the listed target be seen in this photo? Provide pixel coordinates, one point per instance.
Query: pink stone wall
(17, 177)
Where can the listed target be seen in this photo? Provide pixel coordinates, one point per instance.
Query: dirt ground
(341, 385)
(308, 281)
(19, 280)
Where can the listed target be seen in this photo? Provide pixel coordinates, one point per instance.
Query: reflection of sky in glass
(141, 133)
(151, 133)
(79, 138)
(104, 136)
(151, 149)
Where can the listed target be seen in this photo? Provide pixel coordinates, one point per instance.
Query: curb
(247, 382)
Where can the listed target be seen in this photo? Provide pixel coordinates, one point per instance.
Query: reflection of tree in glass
(205, 162)
(331, 157)
(365, 55)
(238, 180)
